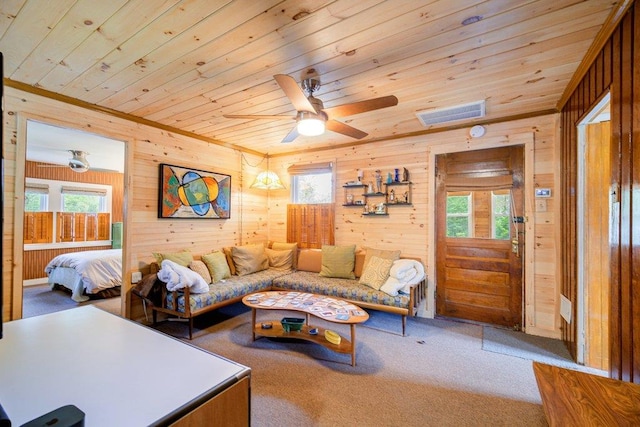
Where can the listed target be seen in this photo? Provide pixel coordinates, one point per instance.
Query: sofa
(337, 271)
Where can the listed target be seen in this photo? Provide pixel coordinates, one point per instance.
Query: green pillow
(182, 258)
(216, 263)
(338, 261)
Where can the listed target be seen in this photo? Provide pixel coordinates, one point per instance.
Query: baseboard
(35, 282)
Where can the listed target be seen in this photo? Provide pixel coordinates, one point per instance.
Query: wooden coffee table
(331, 309)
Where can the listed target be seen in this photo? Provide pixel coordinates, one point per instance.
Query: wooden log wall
(407, 227)
(147, 147)
(616, 67)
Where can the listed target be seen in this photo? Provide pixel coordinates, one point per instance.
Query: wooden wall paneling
(634, 262)
(620, 73)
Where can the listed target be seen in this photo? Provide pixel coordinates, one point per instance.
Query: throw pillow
(279, 246)
(380, 253)
(227, 253)
(217, 266)
(182, 258)
(310, 260)
(249, 259)
(200, 268)
(338, 261)
(280, 260)
(376, 273)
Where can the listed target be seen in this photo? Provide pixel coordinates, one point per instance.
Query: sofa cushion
(280, 246)
(280, 259)
(310, 260)
(376, 272)
(338, 261)
(249, 259)
(304, 281)
(380, 253)
(217, 265)
(182, 258)
(200, 268)
(229, 255)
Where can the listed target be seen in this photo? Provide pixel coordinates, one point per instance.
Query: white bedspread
(99, 270)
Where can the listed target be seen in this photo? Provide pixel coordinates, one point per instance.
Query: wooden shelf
(398, 183)
(375, 214)
(277, 331)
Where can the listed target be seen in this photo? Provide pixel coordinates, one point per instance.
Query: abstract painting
(192, 193)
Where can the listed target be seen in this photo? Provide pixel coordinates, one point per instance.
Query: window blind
(33, 187)
(313, 168)
(84, 191)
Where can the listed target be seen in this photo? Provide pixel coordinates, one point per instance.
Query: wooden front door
(479, 244)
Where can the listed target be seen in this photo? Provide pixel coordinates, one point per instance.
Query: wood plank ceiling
(185, 63)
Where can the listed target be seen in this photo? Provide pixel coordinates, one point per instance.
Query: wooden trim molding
(130, 117)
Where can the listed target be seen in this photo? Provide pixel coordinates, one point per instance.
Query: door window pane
(459, 219)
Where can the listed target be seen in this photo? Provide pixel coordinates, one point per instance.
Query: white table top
(118, 372)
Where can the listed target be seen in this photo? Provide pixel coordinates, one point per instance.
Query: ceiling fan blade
(293, 134)
(294, 93)
(361, 106)
(49, 165)
(249, 116)
(339, 127)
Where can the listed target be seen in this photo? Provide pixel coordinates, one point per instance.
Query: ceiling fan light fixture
(310, 124)
(79, 162)
(78, 167)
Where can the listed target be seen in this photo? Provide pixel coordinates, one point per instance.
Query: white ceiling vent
(444, 115)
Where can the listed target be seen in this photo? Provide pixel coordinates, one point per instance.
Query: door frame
(525, 139)
(18, 237)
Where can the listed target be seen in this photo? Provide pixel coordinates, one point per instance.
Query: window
(311, 184)
(88, 200)
(459, 218)
(310, 219)
(36, 197)
(500, 214)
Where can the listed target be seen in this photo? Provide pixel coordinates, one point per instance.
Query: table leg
(253, 323)
(353, 344)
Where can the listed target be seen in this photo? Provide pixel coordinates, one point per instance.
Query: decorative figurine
(392, 196)
(397, 171)
(360, 175)
(380, 208)
(378, 181)
(389, 179)
(406, 197)
(405, 175)
(370, 189)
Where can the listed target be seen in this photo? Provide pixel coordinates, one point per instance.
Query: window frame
(468, 214)
(297, 171)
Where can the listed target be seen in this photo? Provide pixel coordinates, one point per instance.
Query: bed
(87, 273)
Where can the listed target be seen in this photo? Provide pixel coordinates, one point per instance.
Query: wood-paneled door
(479, 241)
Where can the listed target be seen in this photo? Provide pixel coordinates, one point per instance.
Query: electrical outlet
(136, 276)
(541, 205)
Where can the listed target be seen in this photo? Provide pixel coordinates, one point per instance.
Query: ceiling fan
(312, 118)
(78, 162)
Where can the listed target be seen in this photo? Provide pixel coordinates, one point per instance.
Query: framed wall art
(192, 193)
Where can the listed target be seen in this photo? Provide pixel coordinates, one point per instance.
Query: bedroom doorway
(480, 235)
(74, 203)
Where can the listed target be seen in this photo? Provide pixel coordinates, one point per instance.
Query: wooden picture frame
(187, 193)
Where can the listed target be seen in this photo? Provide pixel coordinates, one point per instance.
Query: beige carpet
(438, 375)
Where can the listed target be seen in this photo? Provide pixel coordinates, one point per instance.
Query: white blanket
(404, 273)
(178, 277)
(99, 270)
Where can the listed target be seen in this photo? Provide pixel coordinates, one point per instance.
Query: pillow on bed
(249, 259)
(279, 259)
(338, 261)
(217, 266)
(182, 258)
(200, 268)
(376, 273)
